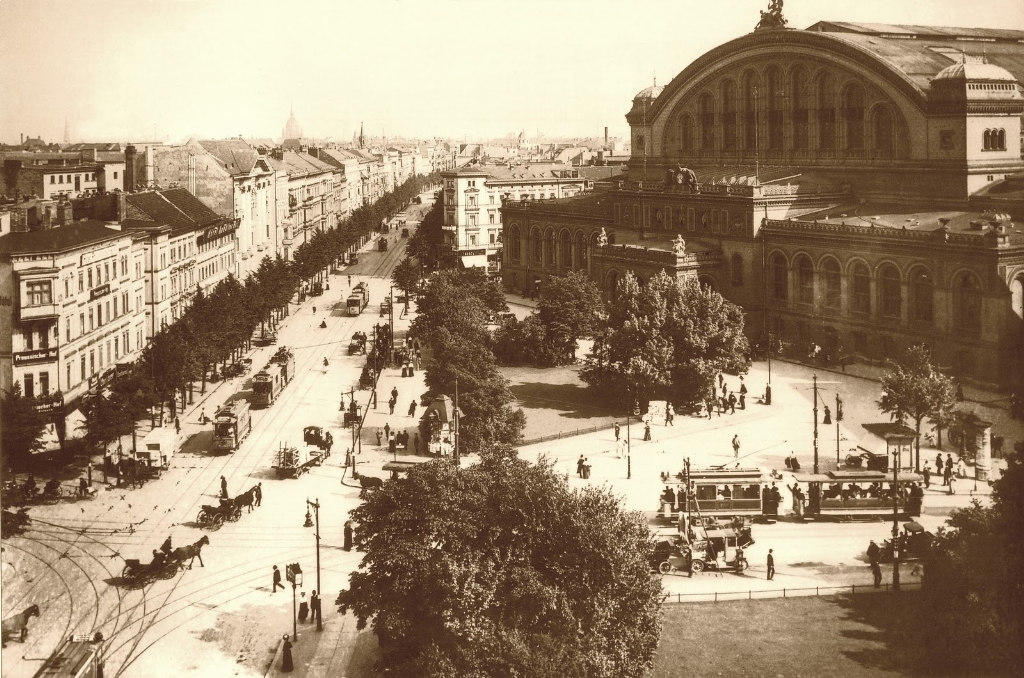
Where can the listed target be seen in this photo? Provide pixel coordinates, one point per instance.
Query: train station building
(855, 186)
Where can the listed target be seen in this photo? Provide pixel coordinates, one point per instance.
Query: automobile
(914, 543)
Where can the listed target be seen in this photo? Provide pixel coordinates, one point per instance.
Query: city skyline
(174, 69)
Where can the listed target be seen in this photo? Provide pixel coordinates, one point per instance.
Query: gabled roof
(175, 207)
(102, 146)
(235, 155)
(72, 236)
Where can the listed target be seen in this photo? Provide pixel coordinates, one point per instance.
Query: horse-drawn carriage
(214, 516)
(52, 493)
(165, 563)
(357, 344)
(318, 437)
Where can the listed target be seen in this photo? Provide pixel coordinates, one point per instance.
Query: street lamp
(293, 573)
(316, 508)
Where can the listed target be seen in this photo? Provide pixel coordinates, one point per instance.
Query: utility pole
(896, 520)
(629, 451)
(815, 424)
(316, 510)
(839, 417)
(455, 420)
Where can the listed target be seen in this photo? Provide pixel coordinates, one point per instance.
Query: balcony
(39, 312)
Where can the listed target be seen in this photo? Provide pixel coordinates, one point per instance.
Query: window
(115, 307)
(804, 280)
(490, 217)
(994, 140)
(729, 118)
(890, 286)
(81, 284)
(492, 238)
(91, 325)
(81, 324)
(537, 246)
(853, 114)
(67, 328)
(707, 122)
(967, 303)
(38, 293)
(30, 386)
(780, 284)
(860, 343)
(750, 104)
(82, 365)
(921, 295)
(827, 112)
(885, 132)
(472, 240)
(68, 380)
(115, 174)
(831, 282)
(89, 272)
(736, 270)
(686, 133)
(44, 383)
(860, 289)
(106, 272)
(60, 179)
(776, 108)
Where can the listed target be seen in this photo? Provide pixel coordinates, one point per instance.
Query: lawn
(556, 400)
(862, 636)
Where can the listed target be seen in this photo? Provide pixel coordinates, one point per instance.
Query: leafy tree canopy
(570, 307)
(500, 569)
(21, 425)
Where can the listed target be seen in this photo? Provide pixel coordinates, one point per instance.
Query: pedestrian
(732, 403)
(927, 473)
(177, 425)
(303, 608)
(768, 394)
(223, 487)
(286, 656)
(412, 408)
(89, 469)
(670, 414)
(347, 535)
(258, 493)
(378, 437)
(314, 610)
(771, 565)
(647, 431)
(387, 430)
(827, 419)
(721, 382)
(83, 487)
(961, 468)
(709, 405)
(736, 446)
(392, 444)
(277, 580)
(350, 281)
(952, 484)
(947, 475)
(314, 310)
(616, 430)
(743, 395)
(959, 393)
(391, 406)
(202, 416)
(394, 393)
(876, 571)
(579, 466)
(416, 442)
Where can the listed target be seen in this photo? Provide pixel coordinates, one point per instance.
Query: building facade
(826, 180)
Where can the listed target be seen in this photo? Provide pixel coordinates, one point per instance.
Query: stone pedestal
(983, 458)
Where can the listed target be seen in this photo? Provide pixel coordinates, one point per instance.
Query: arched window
(776, 107)
(537, 244)
(565, 251)
(736, 269)
(921, 295)
(780, 282)
(514, 244)
(826, 111)
(831, 283)
(885, 132)
(853, 114)
(1002, 140)
(987, 139)
(750, 102)
(707, 122)
(967, 303)
(707, 282)
(686, 133)
(804, 280)
(550, 248)
(801, 108)
(1017, 296)
(890, 289)
(729, 120)
(581, 251)
(860, 289)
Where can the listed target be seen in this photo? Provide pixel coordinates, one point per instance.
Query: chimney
(65, 213)
(606, 137)
(22, 137)
(315, 152)
(122, 206)
(89, 154)
(129, 168)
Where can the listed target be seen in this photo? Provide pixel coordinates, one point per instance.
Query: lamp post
(316, 509)
(839, 418)
(815, 424)
(293, 573)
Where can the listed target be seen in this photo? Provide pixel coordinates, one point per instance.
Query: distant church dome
(291, 128)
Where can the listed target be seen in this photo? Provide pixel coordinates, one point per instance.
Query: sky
(118, 70)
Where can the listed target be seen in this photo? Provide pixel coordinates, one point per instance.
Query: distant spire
(67, 135)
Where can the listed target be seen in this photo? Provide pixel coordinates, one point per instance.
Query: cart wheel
(697, 566)
(168, 571)
(664, 567)
(218, 520)
(52, 499)
(741, 564)
(202, 518)
(126, 572)
(236, 513)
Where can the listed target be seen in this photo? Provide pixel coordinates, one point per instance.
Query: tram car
(79, 656)
(231, 425)
(358, 299)
(847, 494)
(717, 493)
(382, 243)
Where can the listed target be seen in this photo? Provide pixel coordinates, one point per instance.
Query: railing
(568, 434)
(728, 596)
(974, 238)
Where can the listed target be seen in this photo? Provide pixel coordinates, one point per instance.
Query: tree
(22, 426)
(500, 569)
(570, 307)
(972, 586)
(914, 388)
(407, 276)
(666, 339)
(516, 342)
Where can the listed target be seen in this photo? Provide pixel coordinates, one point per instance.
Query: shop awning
(474, 261)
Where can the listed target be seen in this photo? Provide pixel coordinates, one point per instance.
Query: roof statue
(773, 17)
(679, 245)
(602, 239)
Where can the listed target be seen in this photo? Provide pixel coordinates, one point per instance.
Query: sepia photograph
(366, 302)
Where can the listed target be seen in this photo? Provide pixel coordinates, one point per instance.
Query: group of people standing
(722, 399)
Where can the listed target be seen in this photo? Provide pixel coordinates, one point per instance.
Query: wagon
(291, 462)
(214, 516)
(139, 573)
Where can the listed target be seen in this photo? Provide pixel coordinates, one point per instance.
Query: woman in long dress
(286, 656)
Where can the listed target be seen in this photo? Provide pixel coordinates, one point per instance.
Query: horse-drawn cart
(291, 462)
(214, 516)
(138, 573)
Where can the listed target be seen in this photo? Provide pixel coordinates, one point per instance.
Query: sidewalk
(339, 650)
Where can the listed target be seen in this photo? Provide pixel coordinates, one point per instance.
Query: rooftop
(175, 207)
(236, 155)
(52, 240)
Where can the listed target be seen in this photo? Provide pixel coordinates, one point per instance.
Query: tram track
(67, 587)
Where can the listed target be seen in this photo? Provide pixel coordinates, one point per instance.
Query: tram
(717, 493)
(79, 656)
(861, 494)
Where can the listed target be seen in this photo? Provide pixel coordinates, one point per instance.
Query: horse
(247, 499)
(190, 552)
(18, 624)
(368, 483)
